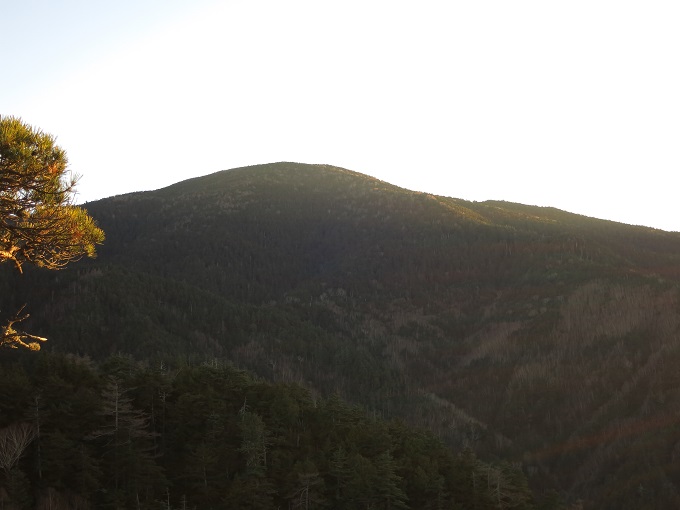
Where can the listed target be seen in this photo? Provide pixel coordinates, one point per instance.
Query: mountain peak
(524, 331)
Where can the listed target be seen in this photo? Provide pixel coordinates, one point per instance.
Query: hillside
(123, 434)
(526, 333)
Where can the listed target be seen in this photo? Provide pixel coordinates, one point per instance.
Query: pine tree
(340, 473)
(38, 222)
(127, 444)
(254, 441)
(309, 487)
(390, 494)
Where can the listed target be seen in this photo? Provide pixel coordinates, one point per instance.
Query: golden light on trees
(39, 223)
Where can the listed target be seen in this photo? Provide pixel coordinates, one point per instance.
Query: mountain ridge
(524, 332)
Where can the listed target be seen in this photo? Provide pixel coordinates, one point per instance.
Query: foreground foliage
(126, 435)
(38, 222)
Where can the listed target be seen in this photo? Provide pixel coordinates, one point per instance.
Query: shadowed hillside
(526, 333)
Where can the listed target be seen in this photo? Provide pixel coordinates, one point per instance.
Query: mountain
(526, 333)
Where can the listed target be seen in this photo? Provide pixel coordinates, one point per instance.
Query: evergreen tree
(127, 443)
(340, 474)
(254, 441)
(390, 495)
(38, 222)
(308, 491)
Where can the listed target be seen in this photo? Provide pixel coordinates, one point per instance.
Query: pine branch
(13, 338)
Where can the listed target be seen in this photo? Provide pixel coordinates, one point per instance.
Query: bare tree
(13, 442)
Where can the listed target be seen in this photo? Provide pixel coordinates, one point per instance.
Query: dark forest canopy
(127, 435)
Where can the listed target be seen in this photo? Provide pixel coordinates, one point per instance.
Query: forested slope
(529, 334)
(123, 434)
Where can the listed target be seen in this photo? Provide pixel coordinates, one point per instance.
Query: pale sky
(567, 103)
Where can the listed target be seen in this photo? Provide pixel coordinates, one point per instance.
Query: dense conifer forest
(122, 434)
(520, 344)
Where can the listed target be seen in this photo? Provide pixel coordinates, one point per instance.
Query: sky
(570, 104)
